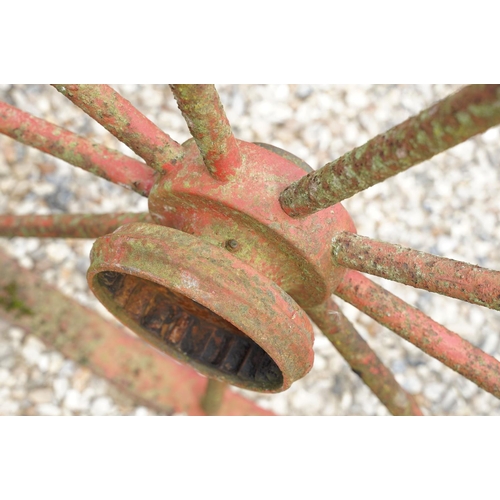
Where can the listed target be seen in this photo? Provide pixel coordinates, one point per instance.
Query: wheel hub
(222, 287)
(244, 216)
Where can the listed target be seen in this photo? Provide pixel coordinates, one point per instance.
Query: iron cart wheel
(251, 208)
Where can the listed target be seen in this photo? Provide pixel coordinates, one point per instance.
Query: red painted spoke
(451, 121)
(67, 225)
(448, 277)
(362, 360)
(61, 143)
(417, 328)
(209, 126)
(126, 123)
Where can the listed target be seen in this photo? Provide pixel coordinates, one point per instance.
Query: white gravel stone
(320, 363)
(346, 401)
(32, 349)
(43, 362)
(18, 393)
(9, 407)
(490, 343)
(412, 384)
(16, 334)
(4, 375)
(5, 349)
(141, 411)
(101, 406)
(43, 395)
(73, 400)
(61, 386)
(307, 400)
(68, 368)
(434, 391)
(49, 410)
(56, 361)
(468, 388)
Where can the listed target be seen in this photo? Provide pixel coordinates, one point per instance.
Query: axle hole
(169, 319)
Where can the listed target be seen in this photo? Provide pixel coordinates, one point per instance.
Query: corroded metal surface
(417, 328)
(66, 225)
(203, 306)
(361, 358)
(244, 216)
(79, 333)
(209, 126)
(447, 123)
(61, 143)
(125, 122)
(419, 269)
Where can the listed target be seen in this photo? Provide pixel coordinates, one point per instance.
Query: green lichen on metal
(205, 117)
(453, 120)
(448, 277)
(125, 122)
(11, 302)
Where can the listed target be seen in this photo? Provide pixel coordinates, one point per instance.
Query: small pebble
(101, 406)
(39, 396)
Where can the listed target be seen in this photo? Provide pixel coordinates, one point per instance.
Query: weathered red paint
(419, 269)
(203, 306)
(447, 123)
(361, 358)
(209, 126)
(242, 217)
(67, 225)
(294, 254)
(110, 351)
(126, 123)
(417, 328)
(61, 143)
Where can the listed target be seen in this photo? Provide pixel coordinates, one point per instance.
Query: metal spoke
(451, 121)
(417, 328)
(452, 278)
(210, 128)
(67, 225)
(361, 358)
(214, 394)
(61, 143)
(126, 123)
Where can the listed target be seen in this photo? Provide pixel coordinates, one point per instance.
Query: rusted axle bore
(202, 305)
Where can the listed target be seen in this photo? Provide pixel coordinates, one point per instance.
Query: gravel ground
(447, 206)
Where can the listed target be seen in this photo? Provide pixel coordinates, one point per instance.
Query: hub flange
(203, 306)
